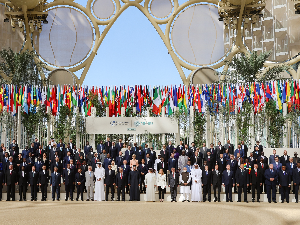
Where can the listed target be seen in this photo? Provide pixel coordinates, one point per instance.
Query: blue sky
(132, 53)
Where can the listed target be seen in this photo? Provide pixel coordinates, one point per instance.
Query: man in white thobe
(185, 179)
(150, 184)
(99, 184)
(196, 175)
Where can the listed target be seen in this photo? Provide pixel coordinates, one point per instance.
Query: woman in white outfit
(161, 184)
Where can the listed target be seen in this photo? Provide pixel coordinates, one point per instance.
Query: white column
(285, 133)
(192, 131)
(178, 133)
(19, 127)
(48, 124)
(252, 138)
(236, 130)
(163, 114)
(3, 133)
(77, 131)
(207, 133)
(92, 136)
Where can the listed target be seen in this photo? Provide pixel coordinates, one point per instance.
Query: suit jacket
(180, 148)
(173, 182)
(100, 148)
(262, 168)
(10, 179)
(256, 179)
(198, 160)
(170, 149)
(241, 151)
(222, 166)
(210, 162)
(25, 153)
(152, 155)
(277, 167)
(59, 167)
(216, 177)
(89, 179)
(121, 183)
(84, 168)
(39, 152)
(191, 152)
(233, 165)
(119, 147)
(87, 149)
(110, 179)
(272, 159)
(296, 176)
(290, 168)
(165, 154)
(260, 148)
(23, 180)
(165, 168)
(206, 178)
(140, 155)
(284, 178)
(68, 177)
(172, 163)
(241, 177)
(283, 161)
(113, 152)
(33, 178)
(268, 175)
(108, 145)
(55, 179)
(77, 155)
(126, 171)
(43, 178)
(245, 150)
(265, 159)
(230, 148)
(79, 178)
(213, 154)
(228, 180)
(149, 163)
(128, 155)
(119, 161)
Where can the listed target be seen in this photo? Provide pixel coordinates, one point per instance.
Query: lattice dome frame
(144, 6)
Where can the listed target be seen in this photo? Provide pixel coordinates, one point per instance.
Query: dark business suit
(119, 147)
(43, 180)
(206, 182)
(256, 180)
(283, 161)
(1, 183)
(119, 161)
(284, 180)
(296, 181)
(173, 183)
(164, 154)
(23, 179)
(33, 181)
(228, 180)
(172, 163)
(242, 179)
(55, 181)
(10, 180)
(107, 145)
(144, 170)
(217, 182)
(80, 187)
(68, 179)
(113, 152)
(149, 163)
(197, 160)
(109, 181)
(121, 183)
(126, 172)
(222, 164)
(271, 185)
(162, 165)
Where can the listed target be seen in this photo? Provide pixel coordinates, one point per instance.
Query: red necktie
(121, 176)
(95, 160)
(262, 165)
(10, 172)
(40, 152)
(256, 174)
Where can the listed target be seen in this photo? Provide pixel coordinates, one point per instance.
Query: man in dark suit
(290, 166)
(256, 153)
(113, 151)
(219, 148)
(148, 161)
(80, 183)
(273, 156)
(233, 167)
(221, 163)
(173, 184)
(135, 148)
(126, 170)
(162, 165)
(192, 150)
(87, 148)
(119, 160)
(43, 182)
(210, 161)
(260, 147)
(39, 152)
(49, 151)
(170, 148)
(33, 183)
(32, 150)
(14, 153)
(128, 154)
(284, 181)
(240, 151)
(59, 165)
(196, 159)
(152, 155)
(25, 152)
(10, 182)
(78, 154)
(262, 167)
(217, 182)
(121, 184)
(262, 156)
(2, 181)
(55, 182)
(101, 147)
(23, 179)
(245, 148)
(296, 180)
(271, 176)
(109, 182)
(61, 145)
(108, 144)
(164, 153)
(68, 179)
(285, 158)
(140, 155)
(277, 165)
(206, 183)
(180, 147)
(213, 153)
(14, 146)
(228, 180)
(255, 182)
(229, 146)
(143, 170)
(119, 145)
(172, 163)
(242, 182)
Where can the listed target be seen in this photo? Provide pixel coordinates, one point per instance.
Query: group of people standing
(134, 170)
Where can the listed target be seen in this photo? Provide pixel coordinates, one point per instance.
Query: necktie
(262, 165)
(32, 174)
(90, 174)
(173, 175)
(121, 176)
(10, 172)
(255, 173)
(206, 173)
(22, 173)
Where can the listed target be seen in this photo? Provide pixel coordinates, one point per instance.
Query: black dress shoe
(20, 200)
(227, 200)
(296, 202)
(66, 199)
(112, 200)
(282, 201)
(219, 200)
(92, 199)
(231, 201)
(87, 200)
(209, 200)
(188, 200)
(287, 202)
(215, 200)
(172, 200)
(7, 200)
(57, 199)
(53, 199)
(238, 201)
(274, 201)
(76, 199)
(24, 200)
(253, 200)
(72, 199)
(183, 200)
(31, 200)
(269, 201)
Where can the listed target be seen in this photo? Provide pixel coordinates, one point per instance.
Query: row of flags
(200, 96)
